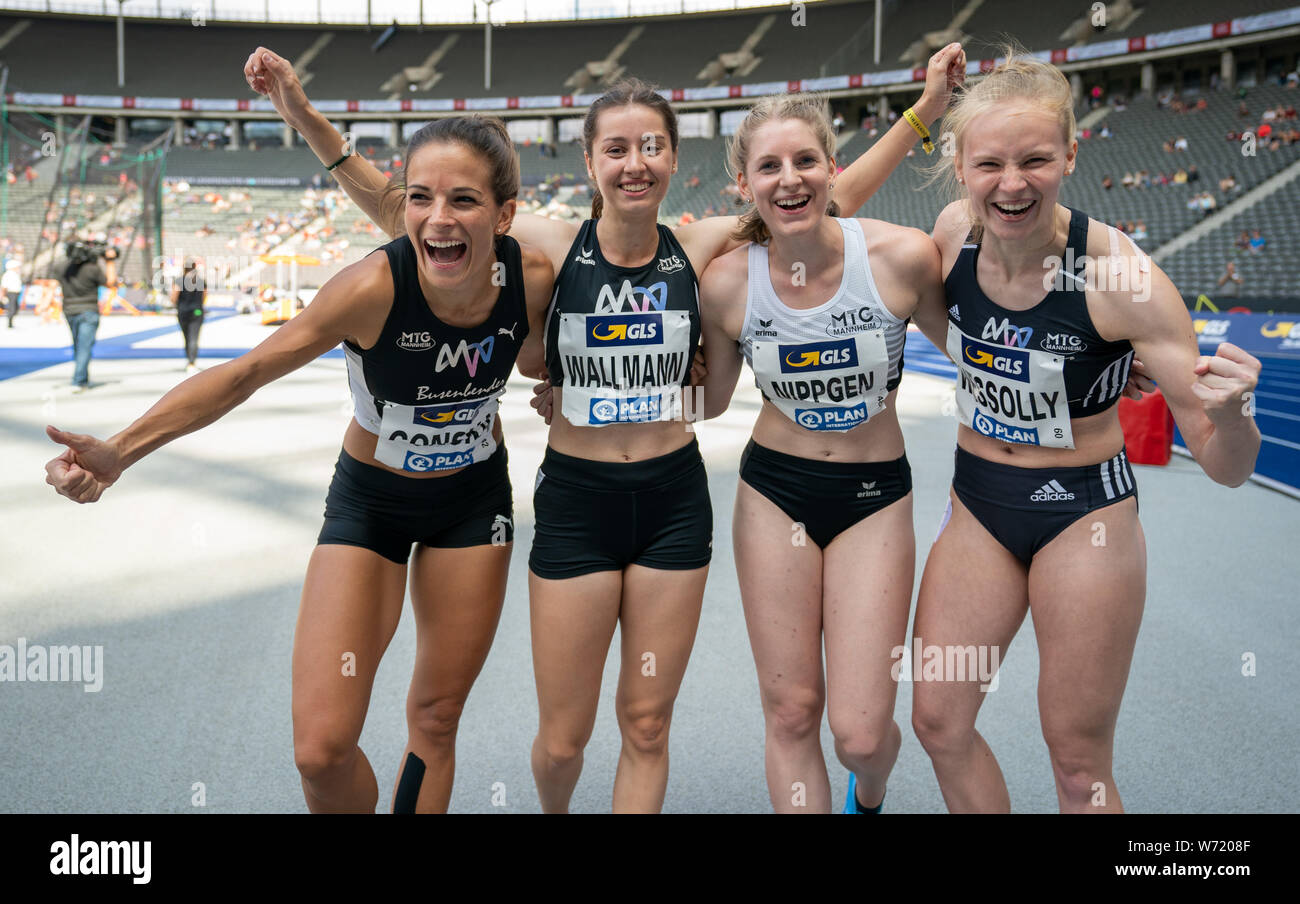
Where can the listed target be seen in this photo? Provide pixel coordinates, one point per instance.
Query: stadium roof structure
(1187, 38)
(382, 12)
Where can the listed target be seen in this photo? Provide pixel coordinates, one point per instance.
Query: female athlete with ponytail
(423, 460)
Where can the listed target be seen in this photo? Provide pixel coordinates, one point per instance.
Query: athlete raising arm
(422, 459)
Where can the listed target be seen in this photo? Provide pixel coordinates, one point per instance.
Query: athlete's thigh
(659, 617)
(351, 603)
(457, 595)
(780, 575)
(867, 576)
(572, 622)
(1087, 589)
(973, 592)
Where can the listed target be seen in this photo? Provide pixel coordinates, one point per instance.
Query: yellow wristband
(919, 127)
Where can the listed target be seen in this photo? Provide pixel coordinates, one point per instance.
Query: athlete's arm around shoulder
(352, 305)
(539, 280)
(1210, 396)
(905, 265)
(724, 288)
(706, 240)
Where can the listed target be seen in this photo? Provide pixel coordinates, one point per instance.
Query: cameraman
(81, 280)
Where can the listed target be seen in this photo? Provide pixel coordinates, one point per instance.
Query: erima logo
(956, 314)
(765, 328)
(1005, 333)
(416, 342)
(1062, 342)
(584, 257)
(1051, 492)
(670, 264)
(869, 489)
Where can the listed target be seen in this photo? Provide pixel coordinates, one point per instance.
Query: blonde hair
(808, 108)
(1018, 77)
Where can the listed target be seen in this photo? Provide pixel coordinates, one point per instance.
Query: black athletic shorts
(602, 516)
(386, 512)
(826, 497)
(1025, 508)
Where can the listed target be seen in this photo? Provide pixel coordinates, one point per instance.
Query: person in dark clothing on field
(80, 280)
(187, 295)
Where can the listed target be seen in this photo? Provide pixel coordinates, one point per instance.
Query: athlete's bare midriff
(879, 439)
(360, 443)
(616, 442)
(1097, 438)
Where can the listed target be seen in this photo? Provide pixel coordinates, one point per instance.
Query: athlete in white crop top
(823, 518)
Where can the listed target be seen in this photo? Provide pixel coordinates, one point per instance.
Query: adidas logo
(869, 489)
(1051, 492)
(584, 257)
(956, 314)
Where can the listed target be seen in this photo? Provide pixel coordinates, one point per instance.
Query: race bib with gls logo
(825, 385)
(623, 368)
(1016, 395)
(436, 437)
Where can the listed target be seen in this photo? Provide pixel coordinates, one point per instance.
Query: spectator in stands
(1257, 241)
(1227, 184)
(1107, 182)
(1193, 175)
(1229, 284)
(1168, 146)
(1180, 177)
(1243, 241)
(1202, 104)
(1105, 131)
(1269, 114)
(1139, 232)
(1128, 181)
(1264, 131)
(1144, 179)
(1180, 144)
(1243, 111)
(1208, 204)
(838, 123)
(1163, 179)
(693, 182)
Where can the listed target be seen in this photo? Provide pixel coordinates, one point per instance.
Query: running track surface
(188, 574)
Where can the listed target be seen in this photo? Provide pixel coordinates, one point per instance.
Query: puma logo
(502, 331)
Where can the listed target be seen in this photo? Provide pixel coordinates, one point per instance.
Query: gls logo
(441, 416)
(1063, 342)
(818, 356)
(416, 342)
(656, 295)
(625, 329)
(1005, 333)
(1001, 362)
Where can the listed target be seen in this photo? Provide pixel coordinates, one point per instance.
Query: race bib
(436, 437)
(1016, 395)
(623, 368)
(833, 385)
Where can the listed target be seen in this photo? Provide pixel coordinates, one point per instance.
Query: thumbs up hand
(86, 468)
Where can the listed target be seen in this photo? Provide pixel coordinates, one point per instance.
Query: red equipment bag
(1148, 429)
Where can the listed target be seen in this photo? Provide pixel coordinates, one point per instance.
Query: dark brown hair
(625, 92)
(485, 135)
